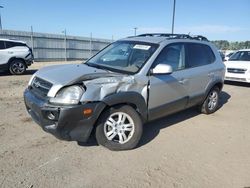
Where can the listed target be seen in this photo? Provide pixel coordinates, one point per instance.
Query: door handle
(9, 52)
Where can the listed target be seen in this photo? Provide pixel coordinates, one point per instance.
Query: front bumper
(69, 123)
(29, 60)
(237, 77)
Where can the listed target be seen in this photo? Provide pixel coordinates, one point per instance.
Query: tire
(17, 67)
(119, 128)
(211, 103)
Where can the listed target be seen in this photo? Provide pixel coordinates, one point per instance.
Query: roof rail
(174, 36)
(199, 37)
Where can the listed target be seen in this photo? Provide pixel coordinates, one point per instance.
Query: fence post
(90, 45)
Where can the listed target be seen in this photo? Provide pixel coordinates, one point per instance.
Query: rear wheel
(119, 128)
(17, 67)
(210, 105)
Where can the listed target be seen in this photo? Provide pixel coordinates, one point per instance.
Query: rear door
(167, 93)
(199, 70)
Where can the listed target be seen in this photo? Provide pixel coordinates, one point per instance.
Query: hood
(238, 64)
(99, 83)
(70, 73)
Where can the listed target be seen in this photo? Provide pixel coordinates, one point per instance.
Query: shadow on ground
(152, 129)
(224, 98)
(28, 72)
(241, 84)
(91, 141)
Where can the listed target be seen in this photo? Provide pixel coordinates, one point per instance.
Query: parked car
(238, 67)
(222, 55)
(15, 56)
(162, 74)
(228, 56)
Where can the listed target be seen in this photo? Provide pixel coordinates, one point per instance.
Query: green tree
(225, 45)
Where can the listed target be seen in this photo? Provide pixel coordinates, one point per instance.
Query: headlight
(68, 95)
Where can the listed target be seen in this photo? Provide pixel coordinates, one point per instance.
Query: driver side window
(173, 55)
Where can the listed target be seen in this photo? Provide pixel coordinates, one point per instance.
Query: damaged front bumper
(64, 122)
(29, 59)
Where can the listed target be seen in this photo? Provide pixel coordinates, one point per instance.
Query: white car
(15, 56)
(238, 66)
(228, 55)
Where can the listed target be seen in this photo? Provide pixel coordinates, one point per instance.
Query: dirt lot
(187, 149)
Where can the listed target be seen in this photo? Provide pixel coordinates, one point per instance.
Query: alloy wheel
(119, 127)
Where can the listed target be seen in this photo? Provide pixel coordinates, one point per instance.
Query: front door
(168, 93)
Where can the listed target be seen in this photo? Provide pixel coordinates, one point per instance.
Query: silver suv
(130, 82)
(15, 56)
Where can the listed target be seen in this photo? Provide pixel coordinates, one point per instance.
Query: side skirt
(167, 109)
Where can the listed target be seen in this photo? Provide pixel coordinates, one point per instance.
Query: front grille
(236, 70)
(41, 86)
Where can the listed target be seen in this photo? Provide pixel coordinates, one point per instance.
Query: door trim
(167, 109)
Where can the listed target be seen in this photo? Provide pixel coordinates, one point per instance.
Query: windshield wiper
(97, 66)
(87, 64)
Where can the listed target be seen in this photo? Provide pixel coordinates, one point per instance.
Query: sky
(215, 19)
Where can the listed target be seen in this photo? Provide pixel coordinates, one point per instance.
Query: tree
(225, 45)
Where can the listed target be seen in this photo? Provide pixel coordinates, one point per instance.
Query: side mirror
(162, 69)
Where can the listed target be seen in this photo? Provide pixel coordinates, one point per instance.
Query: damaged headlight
(68, 95)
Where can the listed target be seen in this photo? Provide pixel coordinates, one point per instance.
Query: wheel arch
(133, 99)
(18, 58)
(217, 83)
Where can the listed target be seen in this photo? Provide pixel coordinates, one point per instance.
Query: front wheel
(210, 105)
(119, 128)
(17, 67)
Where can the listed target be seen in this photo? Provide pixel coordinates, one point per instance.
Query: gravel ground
(187, 149)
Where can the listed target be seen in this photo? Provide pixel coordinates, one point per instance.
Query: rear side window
(198, 55)
(9, 44)
(2, 45)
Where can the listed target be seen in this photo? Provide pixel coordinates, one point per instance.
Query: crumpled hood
(93, 78)
(68, 74)
(238, 64)
(98, 83)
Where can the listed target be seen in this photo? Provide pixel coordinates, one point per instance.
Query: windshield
(240, 56)
(123, 56)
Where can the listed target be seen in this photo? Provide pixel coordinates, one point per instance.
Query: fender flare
(131, 98)
(217, 82)
(12, 58)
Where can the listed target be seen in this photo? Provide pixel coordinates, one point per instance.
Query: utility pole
(32, 39)
(1, 19)
(173, 17)
(135, 28)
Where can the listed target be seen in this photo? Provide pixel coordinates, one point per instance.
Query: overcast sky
(216, 19)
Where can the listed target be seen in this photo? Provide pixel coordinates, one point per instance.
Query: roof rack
(174, 36)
